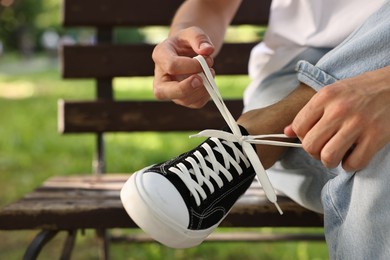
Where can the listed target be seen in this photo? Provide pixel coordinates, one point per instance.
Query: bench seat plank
(92, 201)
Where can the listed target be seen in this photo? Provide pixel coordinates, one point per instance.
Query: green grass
(31, 150)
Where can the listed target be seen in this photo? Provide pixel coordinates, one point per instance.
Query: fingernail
(204, 45)
(195, 83)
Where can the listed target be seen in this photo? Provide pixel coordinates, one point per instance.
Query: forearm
(212, 16)
(273, 119)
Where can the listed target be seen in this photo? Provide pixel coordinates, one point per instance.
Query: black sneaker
(181, 201)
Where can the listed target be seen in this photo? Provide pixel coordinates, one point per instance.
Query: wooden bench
(74, 203)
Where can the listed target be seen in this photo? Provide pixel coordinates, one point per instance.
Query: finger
(174, 56)
(183, 92)
(194, 101)
(173, 64)
(359, 156)
(338, 147)
(288, 130)
(199, 41)
(184, 76)
(180, 65)
(306, 118)
(316, 138)
(168, 89)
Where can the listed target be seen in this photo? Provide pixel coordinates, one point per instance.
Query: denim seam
(313, 76)
(333, 204)
(308, 75)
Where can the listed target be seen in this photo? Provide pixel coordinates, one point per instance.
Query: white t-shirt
(295, 25)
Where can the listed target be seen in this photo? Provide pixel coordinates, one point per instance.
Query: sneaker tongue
(243, 130)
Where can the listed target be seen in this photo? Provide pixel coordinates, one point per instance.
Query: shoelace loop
(236, 136)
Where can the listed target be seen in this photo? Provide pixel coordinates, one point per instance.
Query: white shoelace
(229, 160)
(236, 136)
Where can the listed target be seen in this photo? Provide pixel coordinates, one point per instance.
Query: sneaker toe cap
(165, 199)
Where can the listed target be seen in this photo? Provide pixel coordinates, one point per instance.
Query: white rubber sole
(147, 215)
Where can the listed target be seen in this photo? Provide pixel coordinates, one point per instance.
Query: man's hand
(176, 72)
(348, 121)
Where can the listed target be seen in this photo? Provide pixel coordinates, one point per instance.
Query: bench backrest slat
(128, 116)
(132, 13)
(104, 61)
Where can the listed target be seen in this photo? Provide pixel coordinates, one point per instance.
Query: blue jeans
(356, 206)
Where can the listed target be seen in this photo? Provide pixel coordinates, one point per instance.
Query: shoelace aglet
(278, 207)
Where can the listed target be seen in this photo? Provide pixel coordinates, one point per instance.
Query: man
(338, 108)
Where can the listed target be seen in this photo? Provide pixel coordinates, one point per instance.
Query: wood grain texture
(91, 201)
(132, 116)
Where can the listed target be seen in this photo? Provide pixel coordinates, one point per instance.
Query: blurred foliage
(23, 22)
(128, 35)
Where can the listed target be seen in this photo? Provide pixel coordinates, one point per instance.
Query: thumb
(206, 48)
(200, 42)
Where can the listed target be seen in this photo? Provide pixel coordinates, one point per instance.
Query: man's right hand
(175, 74)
